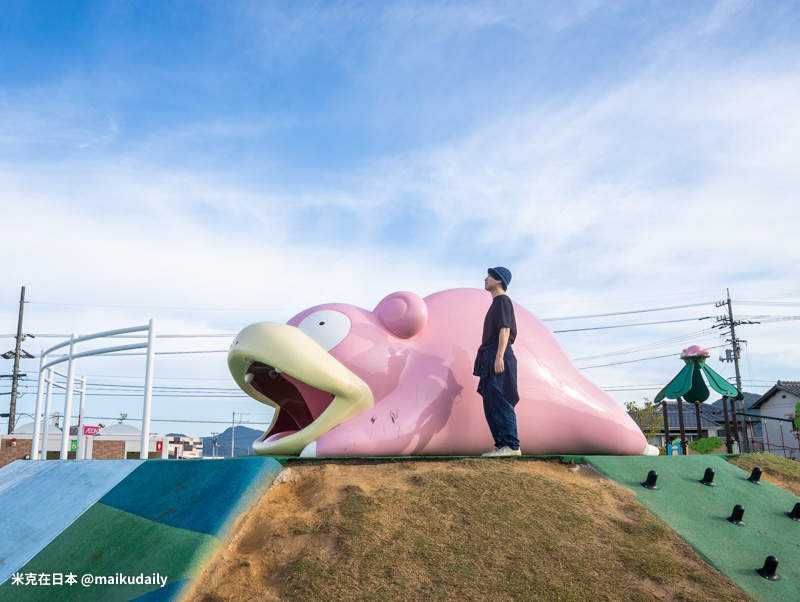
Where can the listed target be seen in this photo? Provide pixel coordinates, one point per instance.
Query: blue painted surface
(164, 594)
(40, 499)
(200, 495)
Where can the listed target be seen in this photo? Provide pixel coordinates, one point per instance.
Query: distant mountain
(244, 442)
(749, 400)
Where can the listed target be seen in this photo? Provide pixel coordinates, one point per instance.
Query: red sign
(159, 446)
(90, 431)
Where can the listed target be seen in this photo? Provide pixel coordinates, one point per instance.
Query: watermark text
(87, 580)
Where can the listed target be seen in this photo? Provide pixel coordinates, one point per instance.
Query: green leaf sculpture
(689, 383)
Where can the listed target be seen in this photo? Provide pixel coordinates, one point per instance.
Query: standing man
(497, 367)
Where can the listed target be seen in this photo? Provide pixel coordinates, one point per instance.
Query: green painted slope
(105, 541)
(698, 514)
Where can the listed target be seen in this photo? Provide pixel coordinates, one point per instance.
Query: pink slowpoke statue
(345, 381)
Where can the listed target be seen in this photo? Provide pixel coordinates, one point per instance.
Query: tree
(121, 418)
(648, 417)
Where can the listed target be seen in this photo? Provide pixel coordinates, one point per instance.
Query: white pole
(68, 401)
(233, 434)
(37, 431)
(81, 453)
(48, 397)
(148, 390)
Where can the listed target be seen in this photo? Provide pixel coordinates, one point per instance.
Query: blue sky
(257, 158)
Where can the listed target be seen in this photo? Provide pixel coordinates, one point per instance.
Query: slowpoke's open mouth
(294, 412)
(310, 390)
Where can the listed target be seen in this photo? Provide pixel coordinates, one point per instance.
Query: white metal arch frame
(46, 365)
(51, 382)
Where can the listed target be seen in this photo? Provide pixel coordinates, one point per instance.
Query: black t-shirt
(500, 315)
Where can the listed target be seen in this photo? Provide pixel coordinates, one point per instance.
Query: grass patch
(778, 470)
(476, 530)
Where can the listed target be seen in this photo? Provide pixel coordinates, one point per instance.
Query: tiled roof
(710, 415)
(790, 386)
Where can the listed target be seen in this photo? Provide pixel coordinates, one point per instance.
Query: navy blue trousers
(499, 392)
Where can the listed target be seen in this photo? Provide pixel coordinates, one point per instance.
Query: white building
(115, 442)
(184, 448)
(128, 442)
(780, 401)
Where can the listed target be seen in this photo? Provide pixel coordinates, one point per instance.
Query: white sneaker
(494, 451)
(503, 451)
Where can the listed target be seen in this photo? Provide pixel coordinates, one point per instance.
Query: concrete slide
(119, 530)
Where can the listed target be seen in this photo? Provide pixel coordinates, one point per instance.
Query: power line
(102, 390)
(130, 336)
(134, 390)
(120, 376)
(659, 296)
(261, 309)
(771, 303)
(138, 353)
(773, 319)
(643, 359)
(163, 387)
(655, 357)
(623, 313)
(193, 378)
(109, 388)
(169, 420)
(656, 345)
(128, 390)
(624, 388)
(630, 325)
(243, 395)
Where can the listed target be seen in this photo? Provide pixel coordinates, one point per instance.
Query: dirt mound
(454, 529)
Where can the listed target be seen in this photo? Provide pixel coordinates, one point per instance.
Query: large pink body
(425, 393)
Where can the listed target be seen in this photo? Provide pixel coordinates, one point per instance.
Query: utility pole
(12, 410)
(214, 445)
(732, 355)
(233, 430)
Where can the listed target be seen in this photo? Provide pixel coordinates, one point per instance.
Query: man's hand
(502, 343)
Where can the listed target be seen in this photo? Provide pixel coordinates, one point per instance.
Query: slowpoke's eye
(328, 328)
